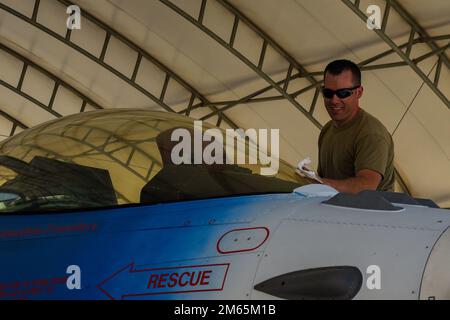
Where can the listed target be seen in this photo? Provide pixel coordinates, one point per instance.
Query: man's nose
(335, 99)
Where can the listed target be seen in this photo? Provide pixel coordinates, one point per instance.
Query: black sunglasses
(340, 93)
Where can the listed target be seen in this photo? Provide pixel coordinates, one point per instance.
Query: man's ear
(359, 92)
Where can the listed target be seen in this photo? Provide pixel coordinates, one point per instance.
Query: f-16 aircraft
(91, 207)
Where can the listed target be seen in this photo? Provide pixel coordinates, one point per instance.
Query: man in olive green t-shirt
(356, 152)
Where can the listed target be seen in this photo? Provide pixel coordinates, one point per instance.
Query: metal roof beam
(239, 17)
(58, 84)
(170, 74)
(13, 120)
(417, 28)
(252, 98)
(432, 84)
(100, 60)
(15, 123)
(258, 67)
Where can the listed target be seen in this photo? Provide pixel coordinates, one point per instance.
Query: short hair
(336, 67)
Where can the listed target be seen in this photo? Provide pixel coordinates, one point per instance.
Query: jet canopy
(127, 156)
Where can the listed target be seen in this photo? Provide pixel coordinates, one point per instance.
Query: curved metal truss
(15, 123)
(423, 37)
(141, 54)
(58, 83)
(295, 70)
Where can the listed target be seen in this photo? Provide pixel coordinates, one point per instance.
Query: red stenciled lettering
(55, 281)
(192, 282)
(162, 280)
(173, 280)
(35, 291)
(153, 279)
(41, 282)
(205, 276)
(181, 278)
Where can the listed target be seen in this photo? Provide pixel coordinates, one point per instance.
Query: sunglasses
(340, 93)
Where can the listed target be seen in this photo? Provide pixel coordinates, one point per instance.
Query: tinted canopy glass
(118, 157)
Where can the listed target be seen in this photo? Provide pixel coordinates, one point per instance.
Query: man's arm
(365, 179)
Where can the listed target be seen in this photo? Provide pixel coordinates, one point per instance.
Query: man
(356, 152)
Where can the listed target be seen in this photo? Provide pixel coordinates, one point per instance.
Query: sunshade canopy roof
(260, 61)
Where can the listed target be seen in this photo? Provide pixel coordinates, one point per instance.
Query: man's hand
(365, 180)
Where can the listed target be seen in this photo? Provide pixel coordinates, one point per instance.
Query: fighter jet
(96, 206)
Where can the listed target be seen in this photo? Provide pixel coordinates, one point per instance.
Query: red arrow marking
(130, 282)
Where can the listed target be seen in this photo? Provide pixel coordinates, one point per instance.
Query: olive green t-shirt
(364, 143)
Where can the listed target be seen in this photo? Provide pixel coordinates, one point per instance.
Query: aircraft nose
(436, 278)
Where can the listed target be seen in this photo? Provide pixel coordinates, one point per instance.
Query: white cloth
(304, 171)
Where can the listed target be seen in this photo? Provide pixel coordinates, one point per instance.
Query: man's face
(342, 110)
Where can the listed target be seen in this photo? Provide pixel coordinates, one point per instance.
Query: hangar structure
(237, 64)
